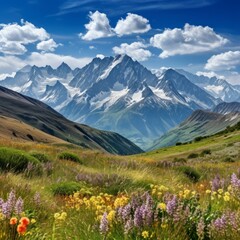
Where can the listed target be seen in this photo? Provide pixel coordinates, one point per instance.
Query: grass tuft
(70, 157)
(16, 160)
(65, 188)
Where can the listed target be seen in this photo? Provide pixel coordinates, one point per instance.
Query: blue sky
(197, 35)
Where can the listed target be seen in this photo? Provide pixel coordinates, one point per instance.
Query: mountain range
(121, 95)
(217, 87)
(23, 117)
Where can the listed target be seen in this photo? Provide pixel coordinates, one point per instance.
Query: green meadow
(189, 191)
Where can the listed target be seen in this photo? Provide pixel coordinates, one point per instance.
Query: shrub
(17, 160)
(65, 188)
(205, 152)
(228, 159)
(112, 182)
(178, 143)
(70, 157)
(193, 155)
(191, 173)
(41, 157)
(197, 139)
(180, 160)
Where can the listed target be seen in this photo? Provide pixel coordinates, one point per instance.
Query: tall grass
(105, 187)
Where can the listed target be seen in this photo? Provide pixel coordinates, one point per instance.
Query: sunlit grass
(124, 176)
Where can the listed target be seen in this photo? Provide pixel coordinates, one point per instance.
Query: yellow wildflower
(57, 215)
(1, 216)
(145, 234)
(208, 191)
(33, 221)
(60, 216)
(111, 216)
(163, 188)
(226, 198)
(220, 191)
(186, 193)
(162, 206)
(164, 225)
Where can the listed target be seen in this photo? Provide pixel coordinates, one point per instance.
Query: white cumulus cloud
(9, 64)
(132, 24)
(54, 60)
(14, 37)
(191, 39)
(47, 46)
(12, 48)
(98, 27)
(210, 74)
(224, 61)
(136, 50)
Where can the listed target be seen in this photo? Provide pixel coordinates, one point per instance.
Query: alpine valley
(121, 95)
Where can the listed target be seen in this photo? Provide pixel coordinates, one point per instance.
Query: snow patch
(107, 99)
(234, 117)
(214, 88)
(112, 66)
(22, 88)
(160, 93)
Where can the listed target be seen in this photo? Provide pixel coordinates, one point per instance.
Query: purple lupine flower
(37, 198)
(217, 183)
(48, 168)
(147, 214)
(11, 199)
(6, 209)
(135, 201)
(147, 209)
(19, 206)
(119, 213)
(235, 182)
(178, 214)
(30, 167)
(200, 229)
(128, 226)
(1, 202)
(220, 223)
(149, 200)
(8, 206)
(171, 205)
(126, 211)
(104, 224)
(233, 220)
(138, 218)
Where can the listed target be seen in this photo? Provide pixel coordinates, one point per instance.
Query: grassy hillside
(39, 115)
(181, 192)
(200, 123)
(16, 130)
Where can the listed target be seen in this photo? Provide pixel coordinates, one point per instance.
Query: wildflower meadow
(159, 195)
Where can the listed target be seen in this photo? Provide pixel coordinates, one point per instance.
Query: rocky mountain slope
(40, 116)
(218, 88)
